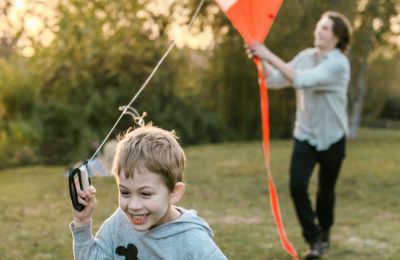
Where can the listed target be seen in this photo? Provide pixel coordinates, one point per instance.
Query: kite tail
(273, 195)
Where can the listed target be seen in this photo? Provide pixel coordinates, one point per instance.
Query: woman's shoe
(316, 251)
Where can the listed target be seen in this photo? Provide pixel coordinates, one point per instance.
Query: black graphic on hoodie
(130, 252)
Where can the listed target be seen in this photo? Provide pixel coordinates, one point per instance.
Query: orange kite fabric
(253, 20)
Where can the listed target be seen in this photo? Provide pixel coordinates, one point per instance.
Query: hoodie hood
(187, 221)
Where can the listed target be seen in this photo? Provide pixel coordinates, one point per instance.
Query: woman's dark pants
(304, 158)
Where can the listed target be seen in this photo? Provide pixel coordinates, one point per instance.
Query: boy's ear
(177, 193)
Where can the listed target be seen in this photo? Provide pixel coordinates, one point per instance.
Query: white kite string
(171, 46)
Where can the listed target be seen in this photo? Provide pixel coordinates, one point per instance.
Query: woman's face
(324, 38)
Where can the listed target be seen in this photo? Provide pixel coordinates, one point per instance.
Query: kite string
(171, 46)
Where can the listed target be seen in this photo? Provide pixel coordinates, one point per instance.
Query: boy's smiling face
(146, 200)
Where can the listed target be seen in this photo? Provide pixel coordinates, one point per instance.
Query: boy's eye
(146, 194)
(124, 193)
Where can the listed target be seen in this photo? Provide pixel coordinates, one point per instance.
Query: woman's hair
(341, 29)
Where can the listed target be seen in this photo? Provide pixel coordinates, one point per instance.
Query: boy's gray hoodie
(188, 237)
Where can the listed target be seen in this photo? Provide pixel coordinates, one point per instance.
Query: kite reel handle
(81, 176)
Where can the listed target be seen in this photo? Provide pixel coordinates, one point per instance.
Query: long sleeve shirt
(321, 85)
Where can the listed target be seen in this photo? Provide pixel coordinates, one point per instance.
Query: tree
(18, 79)
(372, 32)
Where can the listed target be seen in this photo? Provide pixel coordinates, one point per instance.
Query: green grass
(227, 185)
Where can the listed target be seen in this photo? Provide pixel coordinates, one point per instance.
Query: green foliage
(372, 31)
(17, 143)
(235, 89)
(18, 136)
(63, 135)
(383, 88)
(391, 110)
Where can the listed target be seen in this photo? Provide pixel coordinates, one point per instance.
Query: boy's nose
(135, 204)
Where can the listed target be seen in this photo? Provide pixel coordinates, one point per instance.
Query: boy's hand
(88, 199)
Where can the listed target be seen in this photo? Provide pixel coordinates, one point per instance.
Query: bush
(391, 108)
(64, 136)
(17, 144)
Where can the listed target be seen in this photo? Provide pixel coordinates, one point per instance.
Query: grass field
(227, 185)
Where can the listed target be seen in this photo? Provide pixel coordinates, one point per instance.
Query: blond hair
(154, 149)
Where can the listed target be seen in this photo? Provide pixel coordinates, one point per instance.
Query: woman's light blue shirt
(321, 95)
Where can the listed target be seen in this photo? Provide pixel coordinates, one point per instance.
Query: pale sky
(44, 9)
(33, 22)
(179, 32)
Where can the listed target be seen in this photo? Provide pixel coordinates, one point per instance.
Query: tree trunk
(357, 105)
(361, 89)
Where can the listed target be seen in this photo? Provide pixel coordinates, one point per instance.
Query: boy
(148, 167)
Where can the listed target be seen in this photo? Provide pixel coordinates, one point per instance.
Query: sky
(43, 10)
(30, 15)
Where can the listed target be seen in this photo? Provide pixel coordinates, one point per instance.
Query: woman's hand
(269, 58)
(259, 50)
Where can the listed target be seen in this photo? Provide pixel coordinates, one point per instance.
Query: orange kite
(253, 20)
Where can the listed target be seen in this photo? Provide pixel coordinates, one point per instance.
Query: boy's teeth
(139, 216)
